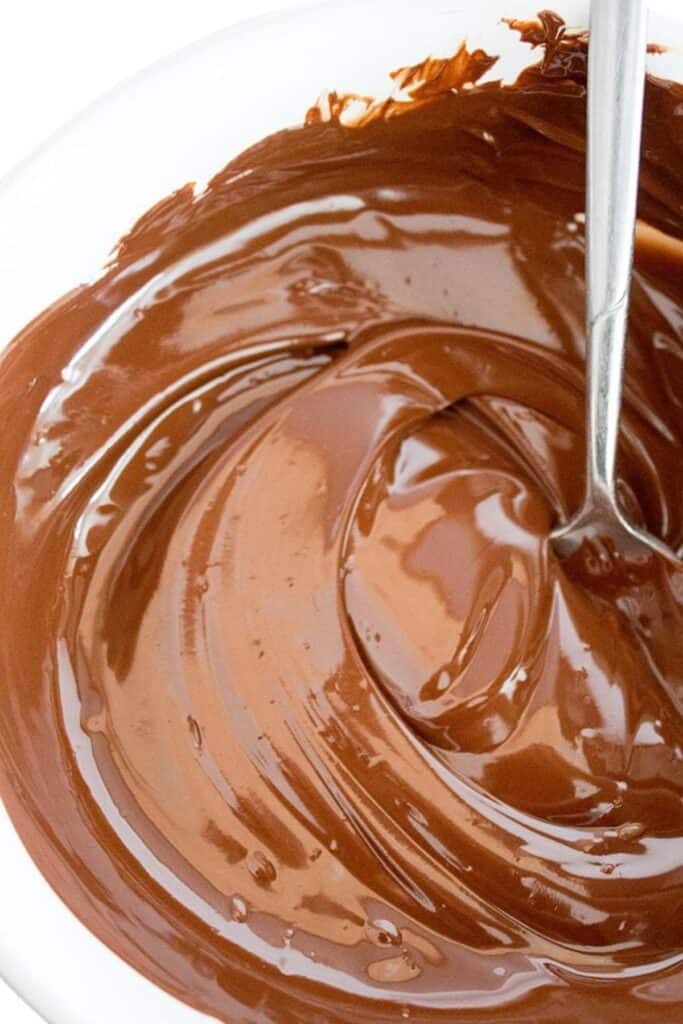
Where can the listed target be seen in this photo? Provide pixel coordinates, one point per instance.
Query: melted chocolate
(300, 714)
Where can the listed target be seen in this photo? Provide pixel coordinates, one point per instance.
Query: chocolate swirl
(301, 714)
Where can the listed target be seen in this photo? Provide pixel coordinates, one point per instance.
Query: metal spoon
(616, 79)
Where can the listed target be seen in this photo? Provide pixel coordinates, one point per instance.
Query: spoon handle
(616, 79)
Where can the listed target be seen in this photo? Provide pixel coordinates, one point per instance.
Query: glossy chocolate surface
(299, 712)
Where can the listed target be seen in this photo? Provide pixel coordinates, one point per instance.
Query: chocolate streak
(299, 712)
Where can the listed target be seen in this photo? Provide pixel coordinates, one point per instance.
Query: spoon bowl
(604, 527)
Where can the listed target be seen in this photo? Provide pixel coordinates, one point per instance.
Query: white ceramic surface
(168, 118)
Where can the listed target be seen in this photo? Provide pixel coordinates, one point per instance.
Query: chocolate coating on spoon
(300, 714)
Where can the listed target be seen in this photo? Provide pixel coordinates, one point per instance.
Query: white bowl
(168, 116)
